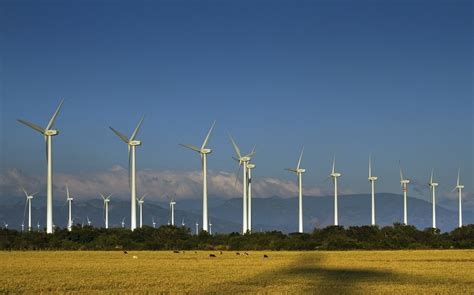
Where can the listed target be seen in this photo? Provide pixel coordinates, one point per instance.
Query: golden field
(338, 272)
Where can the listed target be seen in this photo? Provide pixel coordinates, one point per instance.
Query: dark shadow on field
(317, 279)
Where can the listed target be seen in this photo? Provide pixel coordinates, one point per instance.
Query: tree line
(397, 236)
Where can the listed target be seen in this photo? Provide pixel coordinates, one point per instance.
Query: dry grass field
(350, 272)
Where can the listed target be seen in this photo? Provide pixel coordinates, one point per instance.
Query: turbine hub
(300, 170)
(405, 181)
(250, 166)
(336, 174)
(460, 186)
(244, 159)
(51, 132)
(434, 184)
(373, 178)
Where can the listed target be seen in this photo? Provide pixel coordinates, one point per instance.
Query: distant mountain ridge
(273, 213)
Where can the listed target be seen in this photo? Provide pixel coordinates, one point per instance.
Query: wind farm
(271, 147)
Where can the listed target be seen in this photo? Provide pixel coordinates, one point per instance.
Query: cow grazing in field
(246, 253)
(125, 252)
(220, 252)
(212, 255)
(175, 251)
(237, 253)
(265, 256)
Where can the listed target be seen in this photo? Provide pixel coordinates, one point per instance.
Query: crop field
(344, 272)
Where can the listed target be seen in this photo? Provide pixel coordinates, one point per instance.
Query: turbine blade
(120, 135)
(401, 173)
(208, 135)
(370, 166)
(291, 170)
(31, 125)
(237, 175)
(26, 194)
(236, 148)
(53, 118)
(67, 191)
(431, 178)
(299, 160)
(192, 147)
(33, 194)
(459, 172)
(137, 128)
(333, 165)
(102, 196)
(252, 153)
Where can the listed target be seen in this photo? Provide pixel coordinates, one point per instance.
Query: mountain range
(273, 213)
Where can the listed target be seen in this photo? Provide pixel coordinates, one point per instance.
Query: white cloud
(157, 184)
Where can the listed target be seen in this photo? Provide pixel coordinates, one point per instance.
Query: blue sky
(391, 78)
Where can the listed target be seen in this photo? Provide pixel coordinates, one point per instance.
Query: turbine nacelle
(135, 143)
(433, 184)
(205, 151)
(405, 181)
(459, 186)
(250, 166)
(335, 174)
(373, 178)
(51, 132)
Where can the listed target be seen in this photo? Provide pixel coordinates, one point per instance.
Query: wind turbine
(203, 151)
(140, 208)
(182, 222)
(106, 208)
(123, 222)
(153, 222)
(243, 160)
(132, 143)
(372, 180)
(404, 184)
(250, 166)
(197, 228)
(29, 198)
(433, 186)
(5, 224)
(48, 133)
(89, 222)
(459, 187)
(299, 173)
(38, 225)
(210, 227)
(69, 200)
(22, 227)
(334, 176)
(172, 203)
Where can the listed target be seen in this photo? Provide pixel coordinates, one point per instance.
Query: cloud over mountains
(157, 184)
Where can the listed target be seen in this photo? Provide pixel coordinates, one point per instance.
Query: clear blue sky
(389, 77)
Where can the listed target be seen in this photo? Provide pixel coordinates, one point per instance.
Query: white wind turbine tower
(250, 166)
(123, 222)
(106, 209)
(334, 176)
(203, 151)
(172, 203)
(210, 227)
(140, 208)
(299, 173)
(132, 143)
(69, 200)
(243, 160)
(38, 225)
(404, 183)
(153, 221)
(433, 186)
(29, 198)
(459, 187)
(89, 222)
(197, 228)
(22, 226)
(48, 133)
(372, 180)
(182, 222)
